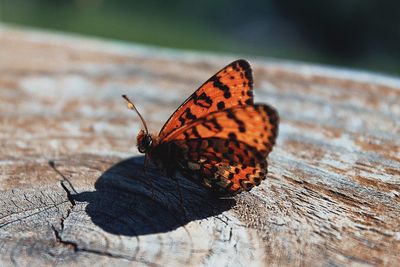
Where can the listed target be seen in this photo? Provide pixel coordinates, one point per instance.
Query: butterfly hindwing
(240, 177)
(231, 86)
(225, 166)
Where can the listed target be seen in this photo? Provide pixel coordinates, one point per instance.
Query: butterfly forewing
(254, 125)
(231, 86)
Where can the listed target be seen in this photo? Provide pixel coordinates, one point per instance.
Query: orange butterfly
(218, 137)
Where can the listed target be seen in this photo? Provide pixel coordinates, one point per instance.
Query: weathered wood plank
(73, 190)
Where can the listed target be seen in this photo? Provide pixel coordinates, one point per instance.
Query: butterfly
(218, 137)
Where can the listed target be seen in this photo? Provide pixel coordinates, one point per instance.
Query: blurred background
(362, 34)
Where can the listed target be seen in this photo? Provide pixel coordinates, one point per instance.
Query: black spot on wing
(212, 125)
(202, 100)
(221, 105)
(240, 123)
(221, 86)
(195, 132)
(232, 136)
(186, 115)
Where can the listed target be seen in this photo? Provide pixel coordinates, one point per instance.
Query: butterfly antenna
(132, 106)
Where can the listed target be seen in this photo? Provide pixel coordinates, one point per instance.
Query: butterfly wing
(228, 167)
(226, 151)
(231, 86)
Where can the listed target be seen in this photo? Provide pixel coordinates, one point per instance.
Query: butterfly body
(218, 137)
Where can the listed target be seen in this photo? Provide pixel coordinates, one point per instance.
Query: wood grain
(72, 189)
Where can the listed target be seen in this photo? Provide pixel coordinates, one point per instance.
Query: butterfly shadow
(129, 202)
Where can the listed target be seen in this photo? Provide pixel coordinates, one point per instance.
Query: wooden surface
(72, 190)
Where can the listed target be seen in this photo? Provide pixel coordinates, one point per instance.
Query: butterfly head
(144, 141)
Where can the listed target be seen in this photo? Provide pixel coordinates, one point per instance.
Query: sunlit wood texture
(73, 190)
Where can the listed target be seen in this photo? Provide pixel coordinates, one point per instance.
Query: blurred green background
(361, 34)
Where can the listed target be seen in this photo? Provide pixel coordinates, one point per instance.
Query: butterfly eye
(145, 144)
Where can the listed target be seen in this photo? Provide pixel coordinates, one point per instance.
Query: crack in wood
(30, 215)
(74, 246)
